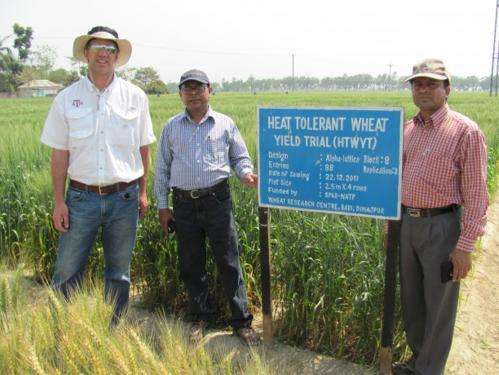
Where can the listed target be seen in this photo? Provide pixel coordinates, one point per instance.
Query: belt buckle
(413, 212)
(100, 190)
(194, 194)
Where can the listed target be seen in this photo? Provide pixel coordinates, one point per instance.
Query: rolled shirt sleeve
(55, 131)
(146, 129)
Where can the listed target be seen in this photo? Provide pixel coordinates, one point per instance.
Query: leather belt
(102, 190)
(429, 212)
(200, 193)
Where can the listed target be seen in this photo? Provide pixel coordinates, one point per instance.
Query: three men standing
(196, 152)
(99, 129)
(444, 198)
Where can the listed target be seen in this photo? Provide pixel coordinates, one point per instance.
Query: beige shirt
(103, 131)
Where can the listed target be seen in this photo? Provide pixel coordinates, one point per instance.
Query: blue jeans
(211, 216)
(117, 215)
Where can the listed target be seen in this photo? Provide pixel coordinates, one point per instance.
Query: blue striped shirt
(196, 156)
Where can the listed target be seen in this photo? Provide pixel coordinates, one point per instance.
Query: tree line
(345, 82)
(21, 63)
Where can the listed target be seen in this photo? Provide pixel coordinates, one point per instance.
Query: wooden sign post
(392, 242)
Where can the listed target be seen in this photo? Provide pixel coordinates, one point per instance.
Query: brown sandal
(248, 335)
(197, 332)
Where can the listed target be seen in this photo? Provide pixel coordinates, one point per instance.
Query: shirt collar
(435, 119)
(209, 114)
(91, 87)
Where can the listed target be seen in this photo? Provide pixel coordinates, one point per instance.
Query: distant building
(39, 87)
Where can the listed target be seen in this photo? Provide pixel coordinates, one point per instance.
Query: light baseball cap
(429, 68)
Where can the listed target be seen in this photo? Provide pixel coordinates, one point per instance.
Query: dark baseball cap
(194, 75)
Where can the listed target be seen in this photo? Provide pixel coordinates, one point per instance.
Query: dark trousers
(212, 217)
(428, 305)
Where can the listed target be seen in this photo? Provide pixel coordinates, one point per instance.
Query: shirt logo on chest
(77, 103)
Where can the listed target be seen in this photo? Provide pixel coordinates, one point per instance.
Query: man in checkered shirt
(444, 198)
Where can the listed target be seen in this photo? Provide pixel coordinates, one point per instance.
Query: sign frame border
(401, 143)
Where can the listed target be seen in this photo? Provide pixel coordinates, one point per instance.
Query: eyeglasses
(194, 88)
(99, 47)
(430, 85)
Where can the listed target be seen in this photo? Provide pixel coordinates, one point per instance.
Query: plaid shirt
(444, 163)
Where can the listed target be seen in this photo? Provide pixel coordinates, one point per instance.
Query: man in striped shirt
(444, 198)
(197, 150)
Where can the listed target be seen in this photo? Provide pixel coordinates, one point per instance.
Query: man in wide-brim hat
(81, 43)
(99, 129)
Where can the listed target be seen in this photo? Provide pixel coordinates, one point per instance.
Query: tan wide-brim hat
(124, 46)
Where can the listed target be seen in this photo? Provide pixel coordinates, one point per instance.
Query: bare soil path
(475, 349)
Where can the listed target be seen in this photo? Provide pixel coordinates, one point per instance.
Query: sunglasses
(193, 88)
(99, 47)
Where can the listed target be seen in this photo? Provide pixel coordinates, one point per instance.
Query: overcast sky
(236, 38)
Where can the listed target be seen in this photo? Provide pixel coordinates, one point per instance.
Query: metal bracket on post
(264, 219)
(392, 242)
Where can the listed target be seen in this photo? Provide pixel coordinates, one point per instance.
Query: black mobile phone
(446, 269)
(171, 226)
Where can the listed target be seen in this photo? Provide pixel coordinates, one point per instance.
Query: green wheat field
(327, 281)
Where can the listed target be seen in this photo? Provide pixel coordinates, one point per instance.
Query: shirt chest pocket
(124, 128)
(81, 126)
(217, 148)
(437, 163)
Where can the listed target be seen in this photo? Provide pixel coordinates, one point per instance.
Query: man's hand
(143, 205)
(59, 166)
(250, 179)
(60, 217)
(462, 264)
(165, 216)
